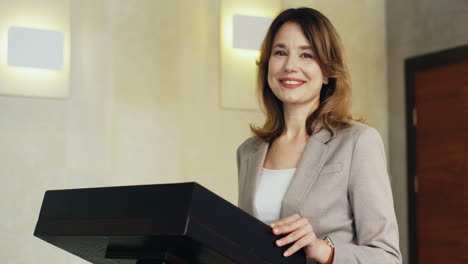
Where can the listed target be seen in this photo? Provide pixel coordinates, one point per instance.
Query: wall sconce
(249, 31)
(35, 48)
(35, 62)
(243, 25)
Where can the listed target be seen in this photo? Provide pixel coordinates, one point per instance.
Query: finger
(303, 242)
(291, 226)
(285, 220)
(294, 236)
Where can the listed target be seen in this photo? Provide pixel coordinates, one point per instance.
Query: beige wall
(414, 28)
(144, 107)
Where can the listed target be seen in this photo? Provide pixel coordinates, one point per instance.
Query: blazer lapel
(254, 171)
(312, 160)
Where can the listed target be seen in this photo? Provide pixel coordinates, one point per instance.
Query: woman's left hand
(299, 231)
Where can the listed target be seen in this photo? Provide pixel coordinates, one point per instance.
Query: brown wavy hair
(334, 111)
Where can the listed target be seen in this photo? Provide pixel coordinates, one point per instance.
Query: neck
(295, 117)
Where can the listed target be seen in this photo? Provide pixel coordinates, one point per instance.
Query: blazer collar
(323, 135)
(314, 157)
(254, 173)
(312, 160)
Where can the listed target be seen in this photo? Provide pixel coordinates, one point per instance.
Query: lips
(291, 83)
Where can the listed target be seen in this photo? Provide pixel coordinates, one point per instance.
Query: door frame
(413, 65)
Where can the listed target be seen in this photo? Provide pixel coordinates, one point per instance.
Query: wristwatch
(329, 242)
(332, 246)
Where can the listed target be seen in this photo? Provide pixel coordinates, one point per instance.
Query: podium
(181, 223)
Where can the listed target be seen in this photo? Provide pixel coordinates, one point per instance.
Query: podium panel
(181, 223)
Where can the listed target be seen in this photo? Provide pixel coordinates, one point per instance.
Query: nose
(290, 64)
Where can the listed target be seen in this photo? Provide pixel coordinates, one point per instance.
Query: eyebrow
(283, 46)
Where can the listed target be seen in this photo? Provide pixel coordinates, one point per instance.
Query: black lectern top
(167, 223)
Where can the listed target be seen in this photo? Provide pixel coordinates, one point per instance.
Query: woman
(315, 175)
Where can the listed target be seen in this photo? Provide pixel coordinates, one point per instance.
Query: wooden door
(439, 125)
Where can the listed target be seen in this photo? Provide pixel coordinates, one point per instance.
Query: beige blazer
(341, 186)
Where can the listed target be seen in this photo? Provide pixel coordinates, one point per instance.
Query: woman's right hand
(300, 233)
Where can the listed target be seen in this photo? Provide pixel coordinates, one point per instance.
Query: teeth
(292, 82)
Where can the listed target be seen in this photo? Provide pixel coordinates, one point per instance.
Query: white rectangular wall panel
(249, 31)
(35, 48)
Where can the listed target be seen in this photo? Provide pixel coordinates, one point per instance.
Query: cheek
(314, 73)
(271, 73)
(274, 65)
(272, 85)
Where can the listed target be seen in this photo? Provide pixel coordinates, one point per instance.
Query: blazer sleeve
(371, 202)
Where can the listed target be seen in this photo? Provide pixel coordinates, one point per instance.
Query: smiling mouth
(290, 84)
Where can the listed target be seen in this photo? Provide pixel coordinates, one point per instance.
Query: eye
(307, 55)
(280, 53)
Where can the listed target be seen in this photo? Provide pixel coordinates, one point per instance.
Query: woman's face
(294, 75)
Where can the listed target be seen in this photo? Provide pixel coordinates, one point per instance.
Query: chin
(297, 100)
(292, 101)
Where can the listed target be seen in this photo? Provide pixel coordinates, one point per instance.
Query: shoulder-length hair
(333, 112)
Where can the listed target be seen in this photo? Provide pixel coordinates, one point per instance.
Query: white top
(270, 192)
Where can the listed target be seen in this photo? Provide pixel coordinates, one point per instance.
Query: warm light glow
(227, 21)
(238, 67)
(19, 81)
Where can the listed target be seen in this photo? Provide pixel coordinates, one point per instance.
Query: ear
(325, 80)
